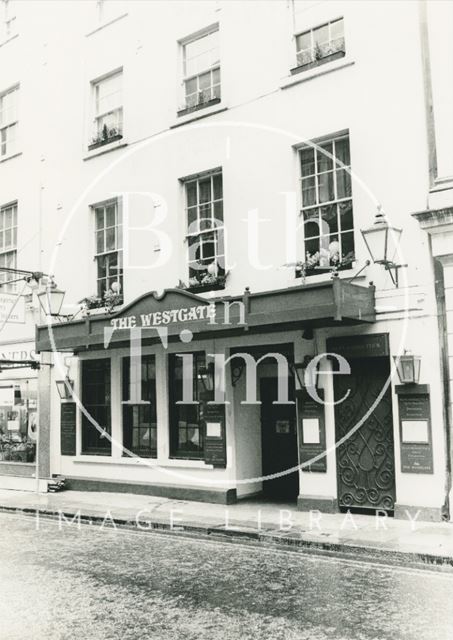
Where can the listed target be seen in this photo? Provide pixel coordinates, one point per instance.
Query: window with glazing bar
(201, 70)
(9, 120)
(205, 230)
(109, 244)
(107, 96)
(8, 244)
(186, 420)
(320, 44)
(96, 400)
(139, 407)
(327, 205)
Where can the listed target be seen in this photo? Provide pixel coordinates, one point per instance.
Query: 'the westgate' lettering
(157, 318)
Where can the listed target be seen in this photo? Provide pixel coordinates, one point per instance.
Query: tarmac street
(63, 580)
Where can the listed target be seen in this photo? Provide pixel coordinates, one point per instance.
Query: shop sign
(21, 353)
(7, 396)
(12, 308)
(169, 316)
(415, 429)
(312, 430)
(372, 345)
(214, 435)
(68, 428)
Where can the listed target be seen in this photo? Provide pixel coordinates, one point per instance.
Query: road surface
(95, 583)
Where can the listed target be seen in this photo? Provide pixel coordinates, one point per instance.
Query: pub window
(201, 71)
(327, 206)
(186, 420)
(109, 244)
(8, 244)
(205, 231)
(96, 400)
(139, 419)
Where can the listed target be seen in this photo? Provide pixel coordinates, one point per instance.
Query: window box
(303, 271)
(202, 288)
(316, 63)
(104, 140)
(201, 105)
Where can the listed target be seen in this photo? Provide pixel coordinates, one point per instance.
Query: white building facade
(197, 159)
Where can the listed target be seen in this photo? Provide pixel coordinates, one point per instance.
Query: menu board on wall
(68, 428)
(415, 429)
(214, 435)
(312, 431)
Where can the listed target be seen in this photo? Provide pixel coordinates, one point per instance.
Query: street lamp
(408, 367)
(51, 299)
(382, 241)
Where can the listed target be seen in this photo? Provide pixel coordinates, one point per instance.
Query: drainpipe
(445, 377)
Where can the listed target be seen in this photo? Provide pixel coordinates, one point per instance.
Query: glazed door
(279, 443)
(365, 461)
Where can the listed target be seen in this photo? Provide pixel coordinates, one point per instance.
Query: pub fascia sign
(169, 316)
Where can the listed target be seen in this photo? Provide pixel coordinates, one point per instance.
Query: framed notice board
(68, 428)
(415, 428)
(214, 435)
(312, 430)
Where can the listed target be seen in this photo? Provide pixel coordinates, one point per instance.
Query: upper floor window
(327, 206)
(9, 20)
(205, 232)
(321, 44)
(8, 243)
(109, 244)
(8, 122)
(201, 71)
(107, 105)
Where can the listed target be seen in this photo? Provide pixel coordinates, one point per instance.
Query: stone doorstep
(270, 538)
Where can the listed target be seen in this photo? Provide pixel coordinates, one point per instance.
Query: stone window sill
(310, 74)
(11, 156)
(145, 462)
(16, 35)
(193, 116)
(105, 148)
(101, 27)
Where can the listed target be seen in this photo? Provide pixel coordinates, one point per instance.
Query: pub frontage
(290, 394)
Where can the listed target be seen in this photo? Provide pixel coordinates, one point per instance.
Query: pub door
(279, 443)
(365, 461)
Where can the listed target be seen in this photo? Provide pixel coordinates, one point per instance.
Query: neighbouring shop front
(18, 415)
(163, 432)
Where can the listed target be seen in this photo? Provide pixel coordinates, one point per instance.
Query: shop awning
(336, 302)
(18, 364)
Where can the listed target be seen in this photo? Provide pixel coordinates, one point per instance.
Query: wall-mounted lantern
(305, 375)
(206, 377)
(51, 299)
(65, 388)
(382, 241)
(408, 367)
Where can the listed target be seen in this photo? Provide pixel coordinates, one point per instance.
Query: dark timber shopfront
(151, 440)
